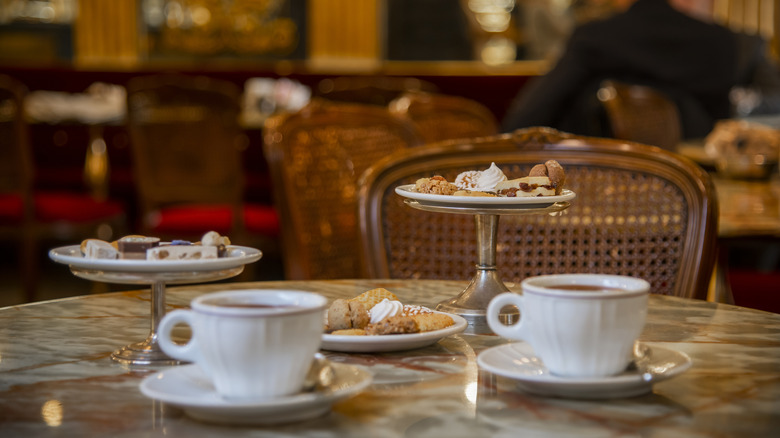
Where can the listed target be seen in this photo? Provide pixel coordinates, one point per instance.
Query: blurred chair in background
(186, 142)
(442, 117)
(370, 90)
(640, 113)
(315, 157)
(29, 216)
(639, 211)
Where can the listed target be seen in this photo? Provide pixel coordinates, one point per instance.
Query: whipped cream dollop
(480, 181)
(385, 309)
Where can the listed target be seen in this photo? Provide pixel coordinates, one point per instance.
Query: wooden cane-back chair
(638, 211)
(29, 216)
(186, 142)
(315, 157)
(640, 113)
(441, 117)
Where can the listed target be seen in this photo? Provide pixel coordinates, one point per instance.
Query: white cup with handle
(252, 344)
(579, 325)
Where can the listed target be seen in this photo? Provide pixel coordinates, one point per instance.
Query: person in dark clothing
(652, 43)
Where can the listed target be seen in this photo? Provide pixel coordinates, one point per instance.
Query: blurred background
(76, 56)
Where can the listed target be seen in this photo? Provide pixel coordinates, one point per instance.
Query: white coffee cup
(579, 325)
(252, 344)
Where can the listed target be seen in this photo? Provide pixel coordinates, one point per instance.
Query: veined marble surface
(57, 377)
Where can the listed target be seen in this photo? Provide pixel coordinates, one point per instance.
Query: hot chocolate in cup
(579, 325)
(252, 344)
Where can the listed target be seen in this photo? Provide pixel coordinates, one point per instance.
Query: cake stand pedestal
(148, 352)
(472, 302)
(157, 275)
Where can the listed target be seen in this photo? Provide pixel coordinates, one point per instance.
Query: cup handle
(188, 352)
(515, 331)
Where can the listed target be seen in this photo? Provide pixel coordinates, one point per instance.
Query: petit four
(134, 247)
(99, 249)
(137, 247)
(182, 252)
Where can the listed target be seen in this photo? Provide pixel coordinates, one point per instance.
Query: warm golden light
(201, 16)
(51, 412)
(498, 51)
(471, 392)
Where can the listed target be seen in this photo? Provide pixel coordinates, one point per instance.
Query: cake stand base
(472, 303)
(143, 353)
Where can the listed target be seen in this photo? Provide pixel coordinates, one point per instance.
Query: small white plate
(236, 256)
(517, 361)
(408, 191)
(188, 388)
(385, 343)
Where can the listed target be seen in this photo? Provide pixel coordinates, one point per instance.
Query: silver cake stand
(472, 303)
(157, 274)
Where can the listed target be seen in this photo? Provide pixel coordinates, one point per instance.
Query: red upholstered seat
(187, 160)
(74, 207)
(11, 208)
(193, 219)
(59, 207)
(28, 216)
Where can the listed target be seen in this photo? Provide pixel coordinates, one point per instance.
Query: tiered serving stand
(157, 274)
(472, 302)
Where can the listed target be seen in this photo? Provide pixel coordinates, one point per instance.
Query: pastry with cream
(480, 180)
(379, 312)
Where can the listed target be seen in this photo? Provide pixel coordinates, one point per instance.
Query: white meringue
(385, 309)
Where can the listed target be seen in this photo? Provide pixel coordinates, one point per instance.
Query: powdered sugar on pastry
(415, 310)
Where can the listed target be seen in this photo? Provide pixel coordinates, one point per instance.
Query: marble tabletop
(57, 377)
(748, 208)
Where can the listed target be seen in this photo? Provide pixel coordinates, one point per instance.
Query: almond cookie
(393, 325)
(350, 332)
(339, 315)
(538, 170)
(344, 314)
(428, 322)
(471, 193)
(556, 174)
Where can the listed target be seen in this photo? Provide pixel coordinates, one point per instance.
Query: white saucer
(517, 361)
(520, 202)
(188, 388)
(385, 343)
